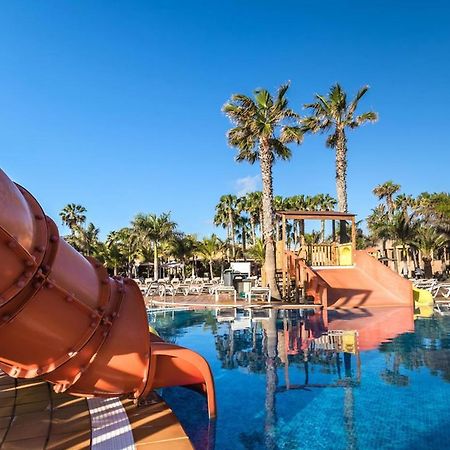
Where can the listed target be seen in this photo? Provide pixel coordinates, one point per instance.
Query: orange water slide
(65, 320)
(368, 283)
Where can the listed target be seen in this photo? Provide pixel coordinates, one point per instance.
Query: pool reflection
(326, 344)
(310, 352)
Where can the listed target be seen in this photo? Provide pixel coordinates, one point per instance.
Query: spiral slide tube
(63, 319)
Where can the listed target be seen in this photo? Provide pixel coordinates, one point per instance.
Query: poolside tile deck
(33, 417)
(207, 301)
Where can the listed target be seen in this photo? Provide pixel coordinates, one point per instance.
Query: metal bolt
(12, 244)
(28, 273)
(20, 284)
(49, 285)
(93, 315)
(69, 299)
(29, 263)
(93, 324)
(40, 248)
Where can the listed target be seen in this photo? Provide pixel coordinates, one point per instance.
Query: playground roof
(316, 215)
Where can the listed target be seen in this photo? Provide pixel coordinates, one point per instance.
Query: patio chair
(152, 289)
(442, 290)
(259, 292)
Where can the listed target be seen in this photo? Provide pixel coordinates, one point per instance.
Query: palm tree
(435, 209)
(88, 239)
(183, 248)
(298, 203)
(73, 216)
(258, 251)
(114, 256)
(243, 232)
(226, 213)
(155, 230)
(428, 241)
(263, 127)
(210, 249)
(325, 202)
(386, 191)
(377, 224)
(279, 204)
(253, 207)
(403, 230)
(333, 113)
(405, 203)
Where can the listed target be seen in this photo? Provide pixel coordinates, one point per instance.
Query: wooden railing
(306, 281)
(321, 254)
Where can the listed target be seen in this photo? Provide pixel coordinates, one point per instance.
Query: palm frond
(263, 98)
(290, 134)
(355, 101)
(369, 116)
(332, 140)
(279, 149)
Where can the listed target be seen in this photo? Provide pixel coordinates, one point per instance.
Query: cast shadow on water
(304, 351)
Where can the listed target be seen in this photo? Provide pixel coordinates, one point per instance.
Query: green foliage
(262, 119)
(73, 216)
(257, 251)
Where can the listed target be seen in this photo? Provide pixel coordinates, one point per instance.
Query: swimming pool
(288, 379)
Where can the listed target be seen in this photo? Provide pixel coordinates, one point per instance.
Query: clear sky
(116, 104)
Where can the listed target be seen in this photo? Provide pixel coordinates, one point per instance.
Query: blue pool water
(291, 379)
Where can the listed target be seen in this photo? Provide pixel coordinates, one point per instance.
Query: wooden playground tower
(296, 259)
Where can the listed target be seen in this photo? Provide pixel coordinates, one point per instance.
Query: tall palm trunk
(427, 267)
(232, 234)
(244, 240)
(155, 262)
(395, 256)
(266, 161)
(211, 269)
(341, 170)
(341, 180)
(252, 226)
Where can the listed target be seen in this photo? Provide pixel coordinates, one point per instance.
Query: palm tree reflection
(274, 340)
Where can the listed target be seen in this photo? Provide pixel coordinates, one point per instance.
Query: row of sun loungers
(198, 286)
(440, 292)
(437, 289)
(164, 287)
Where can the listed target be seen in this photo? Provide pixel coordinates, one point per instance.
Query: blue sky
(116, 105)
